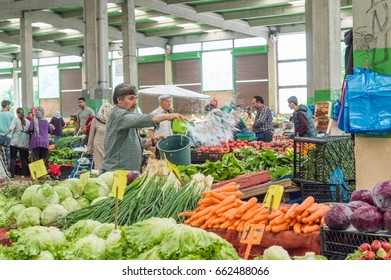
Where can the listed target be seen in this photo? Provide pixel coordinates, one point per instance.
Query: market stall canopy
(173, 91)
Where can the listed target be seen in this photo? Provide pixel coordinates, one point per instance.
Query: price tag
(37, 169)
(172, 167)
(119, 183)
(84, 178)
(273, 196)
(252, 234)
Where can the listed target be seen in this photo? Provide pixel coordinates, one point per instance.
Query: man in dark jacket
(304, 126)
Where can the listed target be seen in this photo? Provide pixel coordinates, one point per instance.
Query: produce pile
(152, 239)
(63, 156)
(252, 160)
(222, 208)
(156, 193)
(68, 142)
(367, 211)
(377, 250)
(44, 204)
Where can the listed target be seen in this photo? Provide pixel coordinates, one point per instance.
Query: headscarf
(104, 112)
(39, 115)
(57, 115)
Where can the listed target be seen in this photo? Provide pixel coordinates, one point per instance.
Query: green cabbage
(95, 187)
(51, 214)
(43, 196)
(73, 185)
(31, 241)
(70, 204)
(88, 248)
(103, 230)
(13, 213)
(63, 192)
(115, 244)
(276, 253)
(81, 229)
(108, 178)
(83, 201)
(27, 194)
(44, 255)
(29, 217)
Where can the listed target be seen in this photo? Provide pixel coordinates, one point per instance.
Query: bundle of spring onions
(156, 193)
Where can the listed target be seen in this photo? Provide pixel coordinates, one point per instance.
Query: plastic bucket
(179, 127)
(176, 148)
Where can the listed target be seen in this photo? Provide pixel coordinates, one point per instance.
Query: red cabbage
(367, 219)
(354, 205)
(362, 195)
(382, 195)
(132, 175)
(387, 220)
(338, 217)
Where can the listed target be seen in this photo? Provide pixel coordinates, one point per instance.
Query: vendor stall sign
(273, 196)
(119, 183)
(252, 235)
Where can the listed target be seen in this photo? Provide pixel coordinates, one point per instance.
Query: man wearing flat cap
(164, 128)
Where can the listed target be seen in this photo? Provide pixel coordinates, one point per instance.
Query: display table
(295, 244)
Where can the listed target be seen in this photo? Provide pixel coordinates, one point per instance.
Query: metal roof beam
(279, 20)
(237, 4)
(151, 25)
(55, 37)
(210, 36)
(178, 31)
(254, 13)
(211, 19)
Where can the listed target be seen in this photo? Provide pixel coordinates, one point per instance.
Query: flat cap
(164, 97)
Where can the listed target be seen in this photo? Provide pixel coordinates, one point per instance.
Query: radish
(386, 246)
(375, 245)
(369, 255)
(364, 247)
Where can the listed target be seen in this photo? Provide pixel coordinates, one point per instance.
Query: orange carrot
(310, 228)
(252, 212)
(238, 194)
(305, 214)
(297, 228)
(318, 214)
(278, 220)
(284, 210)
(313, 207)
(202, 213)
(292, 223)
(260, 217)
(217, 196)
(280, 227)
(208, 201)
(226, 224)
(275, 214)
(268, 228)
(225, 208)
(250, 203)
(230, 214)
(230, 187)
(305, 204)
(298, 218)
(291, 211)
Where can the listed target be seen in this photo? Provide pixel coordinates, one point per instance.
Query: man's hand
(177, 116)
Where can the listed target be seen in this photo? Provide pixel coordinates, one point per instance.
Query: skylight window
(41, 24)
(162, 19)
(188, 25)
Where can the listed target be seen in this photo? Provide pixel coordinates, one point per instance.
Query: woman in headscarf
(19, 142)
(97, 135)
(58, 124)
(39, 129)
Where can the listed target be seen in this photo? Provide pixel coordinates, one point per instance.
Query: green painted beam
(326, 95)
(150, 58)
(184, 56)
(250, 50)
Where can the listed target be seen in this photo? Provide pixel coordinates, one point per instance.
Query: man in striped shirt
(263, 124)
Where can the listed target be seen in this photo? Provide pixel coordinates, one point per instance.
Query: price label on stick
(119, 183)
(252, 234)
(273, 196)
(37, 169)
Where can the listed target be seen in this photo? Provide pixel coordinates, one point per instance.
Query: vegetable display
(377, 250)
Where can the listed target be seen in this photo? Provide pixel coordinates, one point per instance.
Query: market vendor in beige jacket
(123, 144)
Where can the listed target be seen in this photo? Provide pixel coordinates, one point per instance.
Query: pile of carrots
(223, 208)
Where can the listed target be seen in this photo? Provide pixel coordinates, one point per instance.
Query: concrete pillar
(323, 50)
(272, 72)
(371, 49)
(96, 52)
(26, 53)
(129, 43)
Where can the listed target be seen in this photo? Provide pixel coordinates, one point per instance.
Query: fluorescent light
(188, 25)
(68, 31)
(41, 24)
(139, 12)
(297, 2)
(212, 30)
(162, 19)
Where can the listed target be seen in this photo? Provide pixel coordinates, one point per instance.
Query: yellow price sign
(119, 183)
(84, 178)
(273, 196)
(37, 169)
(172, 167)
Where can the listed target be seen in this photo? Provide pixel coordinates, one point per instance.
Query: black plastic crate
(337, 244)
(316, 158)
(65, 171)
(326, 192)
